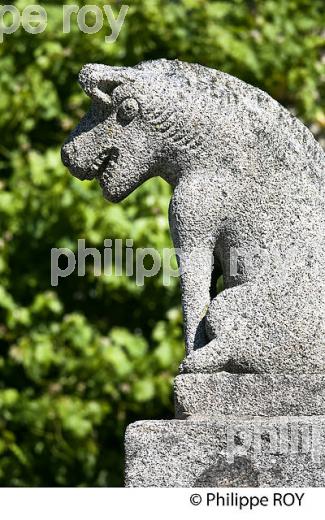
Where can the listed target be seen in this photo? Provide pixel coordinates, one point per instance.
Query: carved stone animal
(248, 196)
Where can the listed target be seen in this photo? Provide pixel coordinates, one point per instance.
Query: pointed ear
(99, 81)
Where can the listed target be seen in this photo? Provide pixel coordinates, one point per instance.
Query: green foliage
(81, 361)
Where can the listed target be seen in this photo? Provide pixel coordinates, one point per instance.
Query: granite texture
(240, 452)
(213, 395)
(248, 195)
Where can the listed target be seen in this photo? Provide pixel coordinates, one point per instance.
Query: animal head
(141, 121)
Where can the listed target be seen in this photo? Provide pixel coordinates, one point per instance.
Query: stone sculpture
(248, 198)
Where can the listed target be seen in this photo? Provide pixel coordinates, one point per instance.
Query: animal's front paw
(208, 359)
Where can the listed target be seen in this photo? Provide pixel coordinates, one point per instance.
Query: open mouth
(106, 160)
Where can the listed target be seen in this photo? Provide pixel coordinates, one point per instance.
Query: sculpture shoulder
(197, 199)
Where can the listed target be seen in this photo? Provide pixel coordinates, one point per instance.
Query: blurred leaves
(80, 361)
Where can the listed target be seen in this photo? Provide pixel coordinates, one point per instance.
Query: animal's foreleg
(195, 269)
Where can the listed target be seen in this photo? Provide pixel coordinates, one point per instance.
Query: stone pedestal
(234, 430)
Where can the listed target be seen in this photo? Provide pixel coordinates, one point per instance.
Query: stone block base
(227, 452)
(249, 394)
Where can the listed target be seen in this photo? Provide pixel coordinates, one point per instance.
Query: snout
(73, 161)
(65, 157)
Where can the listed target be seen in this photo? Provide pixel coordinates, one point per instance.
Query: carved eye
(127, 111)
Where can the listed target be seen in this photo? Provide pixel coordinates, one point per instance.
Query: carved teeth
(106, 159)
